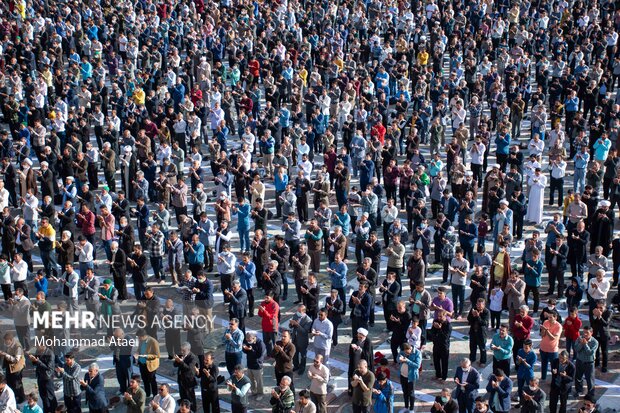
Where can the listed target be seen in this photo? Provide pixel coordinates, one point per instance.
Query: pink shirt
(107, 232)
(548, 344)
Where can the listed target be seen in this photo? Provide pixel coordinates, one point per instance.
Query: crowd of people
(345, 152)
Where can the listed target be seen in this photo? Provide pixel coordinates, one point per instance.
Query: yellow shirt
(49, 233)
(139, 97)
(423, 58)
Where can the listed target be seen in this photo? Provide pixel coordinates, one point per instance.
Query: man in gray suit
(300, 326)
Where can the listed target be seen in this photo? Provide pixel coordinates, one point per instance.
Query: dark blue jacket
(503, 392)
(95, 392)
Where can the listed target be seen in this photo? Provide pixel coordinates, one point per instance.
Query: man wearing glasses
(163, 402)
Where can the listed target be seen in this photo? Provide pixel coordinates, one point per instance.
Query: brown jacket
(14, 357)
(284, 358)
(152, 353)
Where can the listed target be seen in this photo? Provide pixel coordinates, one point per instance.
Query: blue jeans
(458, 298)
(84, 266)
(49, 263)
(244, 239)
(107, 247)
(545, 359)
(579, 180)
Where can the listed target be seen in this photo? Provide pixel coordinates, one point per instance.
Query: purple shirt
(446, 304)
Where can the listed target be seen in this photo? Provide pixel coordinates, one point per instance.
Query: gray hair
(93, 366)
(236, 282)
(274, 262)
(186, 346)
(286, 379)
(524, 308)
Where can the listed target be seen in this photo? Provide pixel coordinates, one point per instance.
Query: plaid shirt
(234, 345)
(188, 294)
(156, 243)
(71, 380)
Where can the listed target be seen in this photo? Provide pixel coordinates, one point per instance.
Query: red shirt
(87, 223)
(269, 322)
(572, 331)
(523, 332)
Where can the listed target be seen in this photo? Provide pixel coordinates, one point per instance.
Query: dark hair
(305, 394)
(381, 376)
(499, 373)
(136, 377)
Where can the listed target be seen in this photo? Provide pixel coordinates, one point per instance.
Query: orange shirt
(548, 344)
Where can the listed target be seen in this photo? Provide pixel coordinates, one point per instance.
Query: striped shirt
(71, 380)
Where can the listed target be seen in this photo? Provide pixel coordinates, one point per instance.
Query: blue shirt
(523, 371)
(505, 347)
(581, 160)
(198, 255)
(571, 104)
(41, 285)
(339, 277)
(243, 214)
(344, 220)
(503, 144)
(246, 275)
(552, 236)
(533, 275)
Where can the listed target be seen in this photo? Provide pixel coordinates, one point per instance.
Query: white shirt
(166, 404)
(19, 272)
(30, 208)
(558, 170)
(4, 198)
(598, 289)
(86, 253)
(477, 157)
(306, 168)
(7, 401)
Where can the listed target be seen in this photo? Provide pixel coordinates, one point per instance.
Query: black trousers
(518, 344)
(120, 283)
(441, 356)
(504, 365)
(602, 351)
(210, 401)
(408, 392)
(557, 184)
(557, 395)
(299, 361)
(15, 382)
(536, 293)
(226, 280)
(188, 391)
(47, 395)
(556, 274)
(476, 342)
(73, 403)
(149, 378)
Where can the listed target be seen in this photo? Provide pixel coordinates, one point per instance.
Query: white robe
(536, 198)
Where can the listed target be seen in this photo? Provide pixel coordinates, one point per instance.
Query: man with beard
(602, 228)
(361, 349)
(187, 362)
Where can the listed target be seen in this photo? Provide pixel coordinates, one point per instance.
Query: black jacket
(186, 373)
(256, 354)
(441, 336)
(564, 383)
(208, 382)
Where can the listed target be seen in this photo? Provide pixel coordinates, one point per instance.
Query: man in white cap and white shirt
(69, 192)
